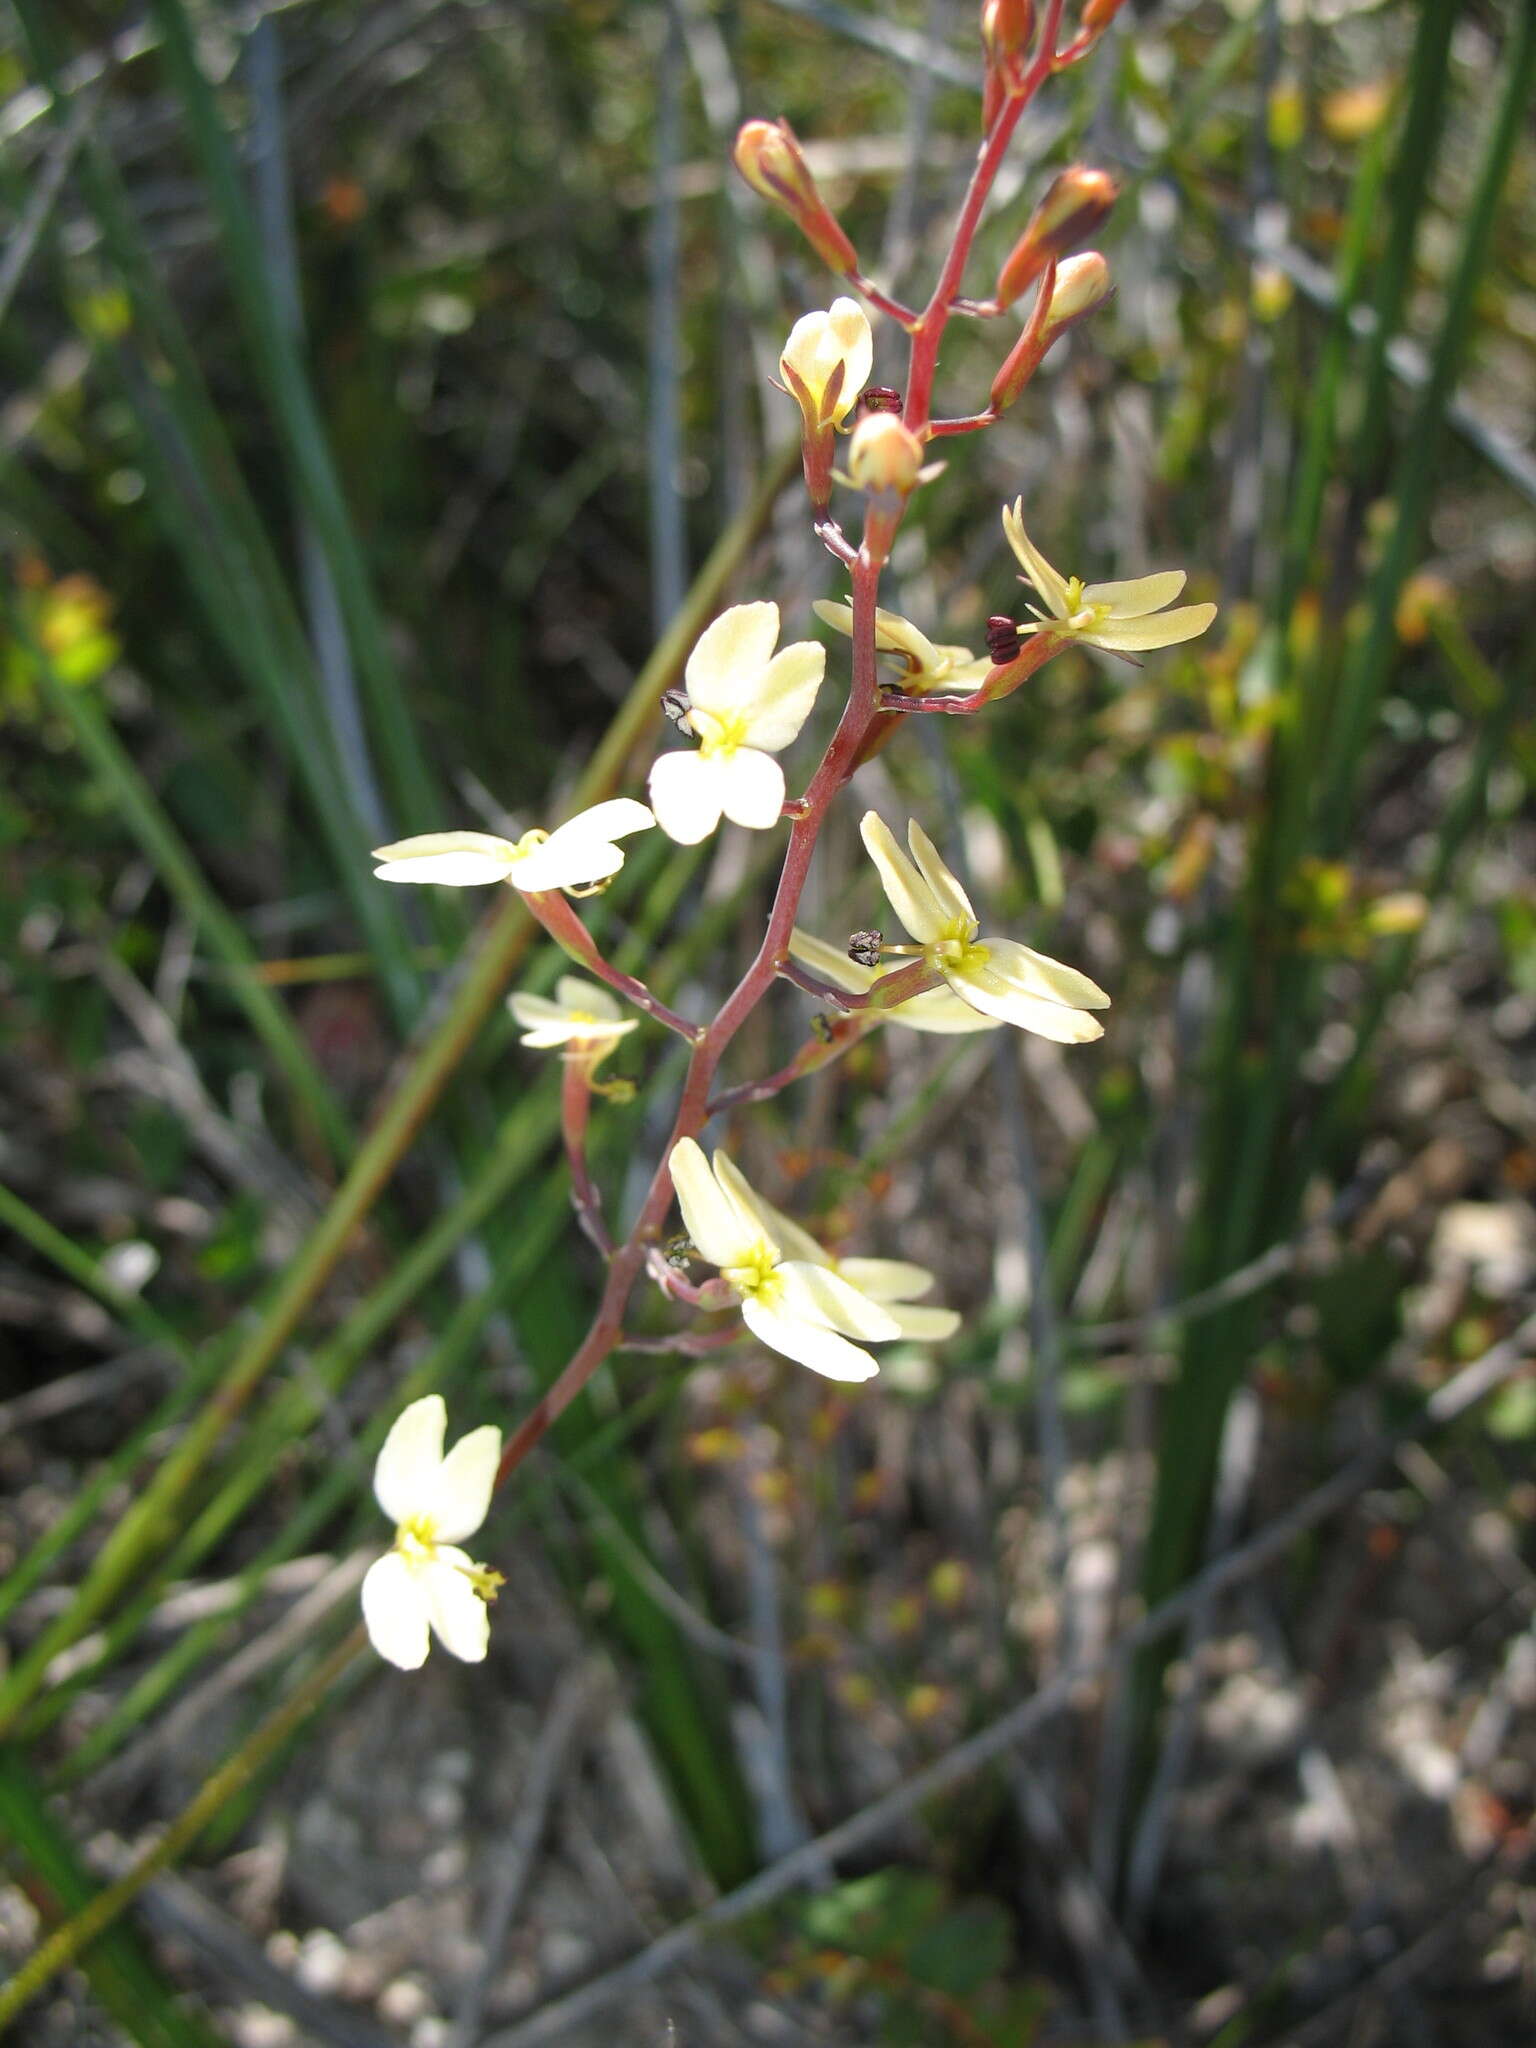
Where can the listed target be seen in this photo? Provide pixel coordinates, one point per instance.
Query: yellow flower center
(718, 734)
(1080, 617)
(755, 1277)
(524, 846)
(957, 948)
(416, 1540)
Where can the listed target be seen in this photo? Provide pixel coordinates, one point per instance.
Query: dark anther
(677, 1251)
(864, 949)
(1002, 639)
(823, 1030)
(674, 705)
(880, 398)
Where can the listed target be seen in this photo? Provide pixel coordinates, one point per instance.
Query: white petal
(460, 1619)
(582, 850)
(409, 1458)
(831, 965)
(952, 899)
(1167, 629)
(813, 1294)
(533, 1012)
(990, 993)
(1036, 974)
(588, 997)
(685, 791)
(910, 897)
(461, 1492)
(924, 1325)
(893, 633)
(886, 1279)
(730, 654)
(780, 700)
(453, 860)
(713, 1220)
(547, 1037)
(395, 1611)
(781, 1231)
(940, 1011)
(1051, 586)
(1138, 596)
(751, 788)
(807, 1344)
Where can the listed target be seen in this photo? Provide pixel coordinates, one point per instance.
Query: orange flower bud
(1007, 29)
(771, 160)
(884, 455)
(1073, 207)
(1098, 14)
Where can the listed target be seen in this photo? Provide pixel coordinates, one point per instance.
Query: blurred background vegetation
(387, 408)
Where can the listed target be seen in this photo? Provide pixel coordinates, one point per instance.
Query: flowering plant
(745, 702)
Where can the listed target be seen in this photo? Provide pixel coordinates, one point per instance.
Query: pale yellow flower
(819, 346)
(1116, 616)
(582, 1015)
(797, 1306)
(746, 704)
(574, 856)
(896, 1284)
(935, 1010)
(999, 977)
(425, 1586)
(929, 666)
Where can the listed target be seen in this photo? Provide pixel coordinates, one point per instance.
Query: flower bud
(884, 456)
(1098, 14)
(1007, 29)
(770, 159)
(1070, 211)
(1082, 283)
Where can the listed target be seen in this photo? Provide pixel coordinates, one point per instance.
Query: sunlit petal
(781, 698)
(1167, 629)
(949, 895)
(1035, 974)
(808, 1343)
(886, 1280)
(830, 964)
(713, 1220)
(453, 860)
(815, 1294)
(910, 896)
(409, 1459)
(395, 1610)
(460, 1496)
(687, 795)
(1142, 594)
(751, 787)
(1051, 586)
(990, 993)
(460, 1619)
(730, 654)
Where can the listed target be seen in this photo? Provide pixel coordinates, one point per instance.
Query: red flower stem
(882, 302)
(575, 1107)
(884, 994)
(929, 330)
(973, 425)
(571, 935)
(860, 715)
(813, 1055)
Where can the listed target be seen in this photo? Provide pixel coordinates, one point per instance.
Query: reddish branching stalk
(863, 722)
